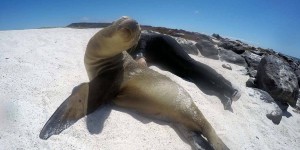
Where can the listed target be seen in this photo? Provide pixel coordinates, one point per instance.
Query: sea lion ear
(125, 17)
(70, 111)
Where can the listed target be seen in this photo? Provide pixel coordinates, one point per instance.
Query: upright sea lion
(116, 77)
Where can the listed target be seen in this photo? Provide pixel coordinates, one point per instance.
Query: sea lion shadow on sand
(209, 90)
(95, 123)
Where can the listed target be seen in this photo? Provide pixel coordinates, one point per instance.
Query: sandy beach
(40, 67)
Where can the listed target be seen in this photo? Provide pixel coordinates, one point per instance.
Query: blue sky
(267, 23)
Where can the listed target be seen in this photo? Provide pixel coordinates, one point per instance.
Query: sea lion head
(123, 33)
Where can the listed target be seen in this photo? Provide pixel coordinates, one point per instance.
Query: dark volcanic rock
(294, 64)
(252, 61)
(194, 36)
(278, 79)
(207, 49)
(226, 66)
(217, 36)
(237, 47)
(252, 72)
(232, 57)
(297, 108)
(257, 51)
(297, 72)
(251, 82)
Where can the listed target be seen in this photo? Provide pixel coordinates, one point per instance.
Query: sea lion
(166, 53)
(116, 77)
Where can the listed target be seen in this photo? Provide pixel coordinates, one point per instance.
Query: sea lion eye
(125, 32)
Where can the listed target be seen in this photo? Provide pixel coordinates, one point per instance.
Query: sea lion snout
(129, 30)
(129, 24)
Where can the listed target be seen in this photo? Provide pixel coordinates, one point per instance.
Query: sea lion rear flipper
(195, 139)
(71, 110)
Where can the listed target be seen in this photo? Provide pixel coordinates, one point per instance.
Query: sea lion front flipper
(85, 99)
(71, 110)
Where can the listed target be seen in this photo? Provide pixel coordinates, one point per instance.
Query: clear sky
(267, 23)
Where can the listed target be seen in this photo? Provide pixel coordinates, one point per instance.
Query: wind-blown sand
(40, 67)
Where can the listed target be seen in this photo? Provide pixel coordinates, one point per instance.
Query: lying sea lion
(166, 53)
(116, 77)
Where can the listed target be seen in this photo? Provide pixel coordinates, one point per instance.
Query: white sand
(40, 67)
